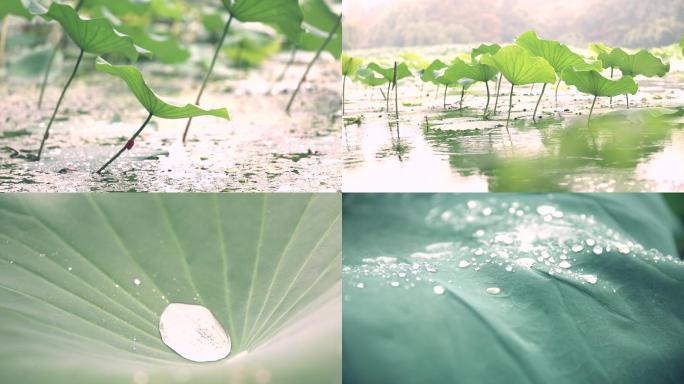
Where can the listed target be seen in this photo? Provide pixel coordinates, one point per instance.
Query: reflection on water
(453, 150)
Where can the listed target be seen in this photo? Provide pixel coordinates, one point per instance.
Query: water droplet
(564, 264)
(430, 268)
(598, 250)
(360, 285)
(438, 290)
(509, 268)
(463, 264)
(479, 233)
(136, 281)
(394, 283)
(525, 262)
(591, 279)
(472, 204)
(493, 290)
(70, 269)
(193, 332)
(401, 274)
(622, 248)
(590, 242)
(577, 248)
(487, 211)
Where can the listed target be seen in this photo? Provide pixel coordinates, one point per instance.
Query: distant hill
(627, 23)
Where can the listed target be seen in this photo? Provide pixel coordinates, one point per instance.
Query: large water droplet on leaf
(193, 332)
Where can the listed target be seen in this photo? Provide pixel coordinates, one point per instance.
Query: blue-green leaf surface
(512, 288)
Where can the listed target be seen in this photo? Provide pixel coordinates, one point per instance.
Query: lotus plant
(154, 105)
(96, 36)
(392, 74)
(593, 83)
(641, 63)
(519, 67)
(286, 15)
(350, 65)
(477, 72)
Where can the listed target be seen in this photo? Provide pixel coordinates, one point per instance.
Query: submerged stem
(128, 145)
(611, 77)
(308, 68)
(344, 83)
(498, 89)
(556, 93)
(59, 102)
(208, 74)
(3, 39)
(486, 106)
(510, 105)
(289, 64)
(534, 116)
(387, 98)
(396, 96)
(591, 111)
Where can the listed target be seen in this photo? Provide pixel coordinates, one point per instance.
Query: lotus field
(87, 88)
(532, 115)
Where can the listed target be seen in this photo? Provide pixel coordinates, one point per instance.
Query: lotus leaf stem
(534, 116)
(128, 145)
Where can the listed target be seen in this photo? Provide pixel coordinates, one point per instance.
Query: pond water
(433, 148)
(260, 149)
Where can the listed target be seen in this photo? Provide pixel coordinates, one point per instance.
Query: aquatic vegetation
(475, 71)
(322, 31)
(111, 288)
(391, 74)
(593, 83)
(519, 67)
(286, 15)
(154, 105)
(641, 63)
(558, 55)
(95, 36)
(350, 65)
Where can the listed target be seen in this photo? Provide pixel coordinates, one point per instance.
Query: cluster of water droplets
(512, 236)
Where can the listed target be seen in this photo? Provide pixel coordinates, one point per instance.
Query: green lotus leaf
(15, 8)
(474, 71)
(165, 48)
(248, 48)
(681, 44)
(519, 67)
(285, 15)
(599, 48)
(414, 60)
(312, 39)
(429, 72)
(487, 300)
(367, 76)
(388, 72)
(319, 20)
(641, 63)
(594, 83)
(84, 279)
(150, 101)
(555, 53)
(350, 65)
(485, 49)
(96, 36)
